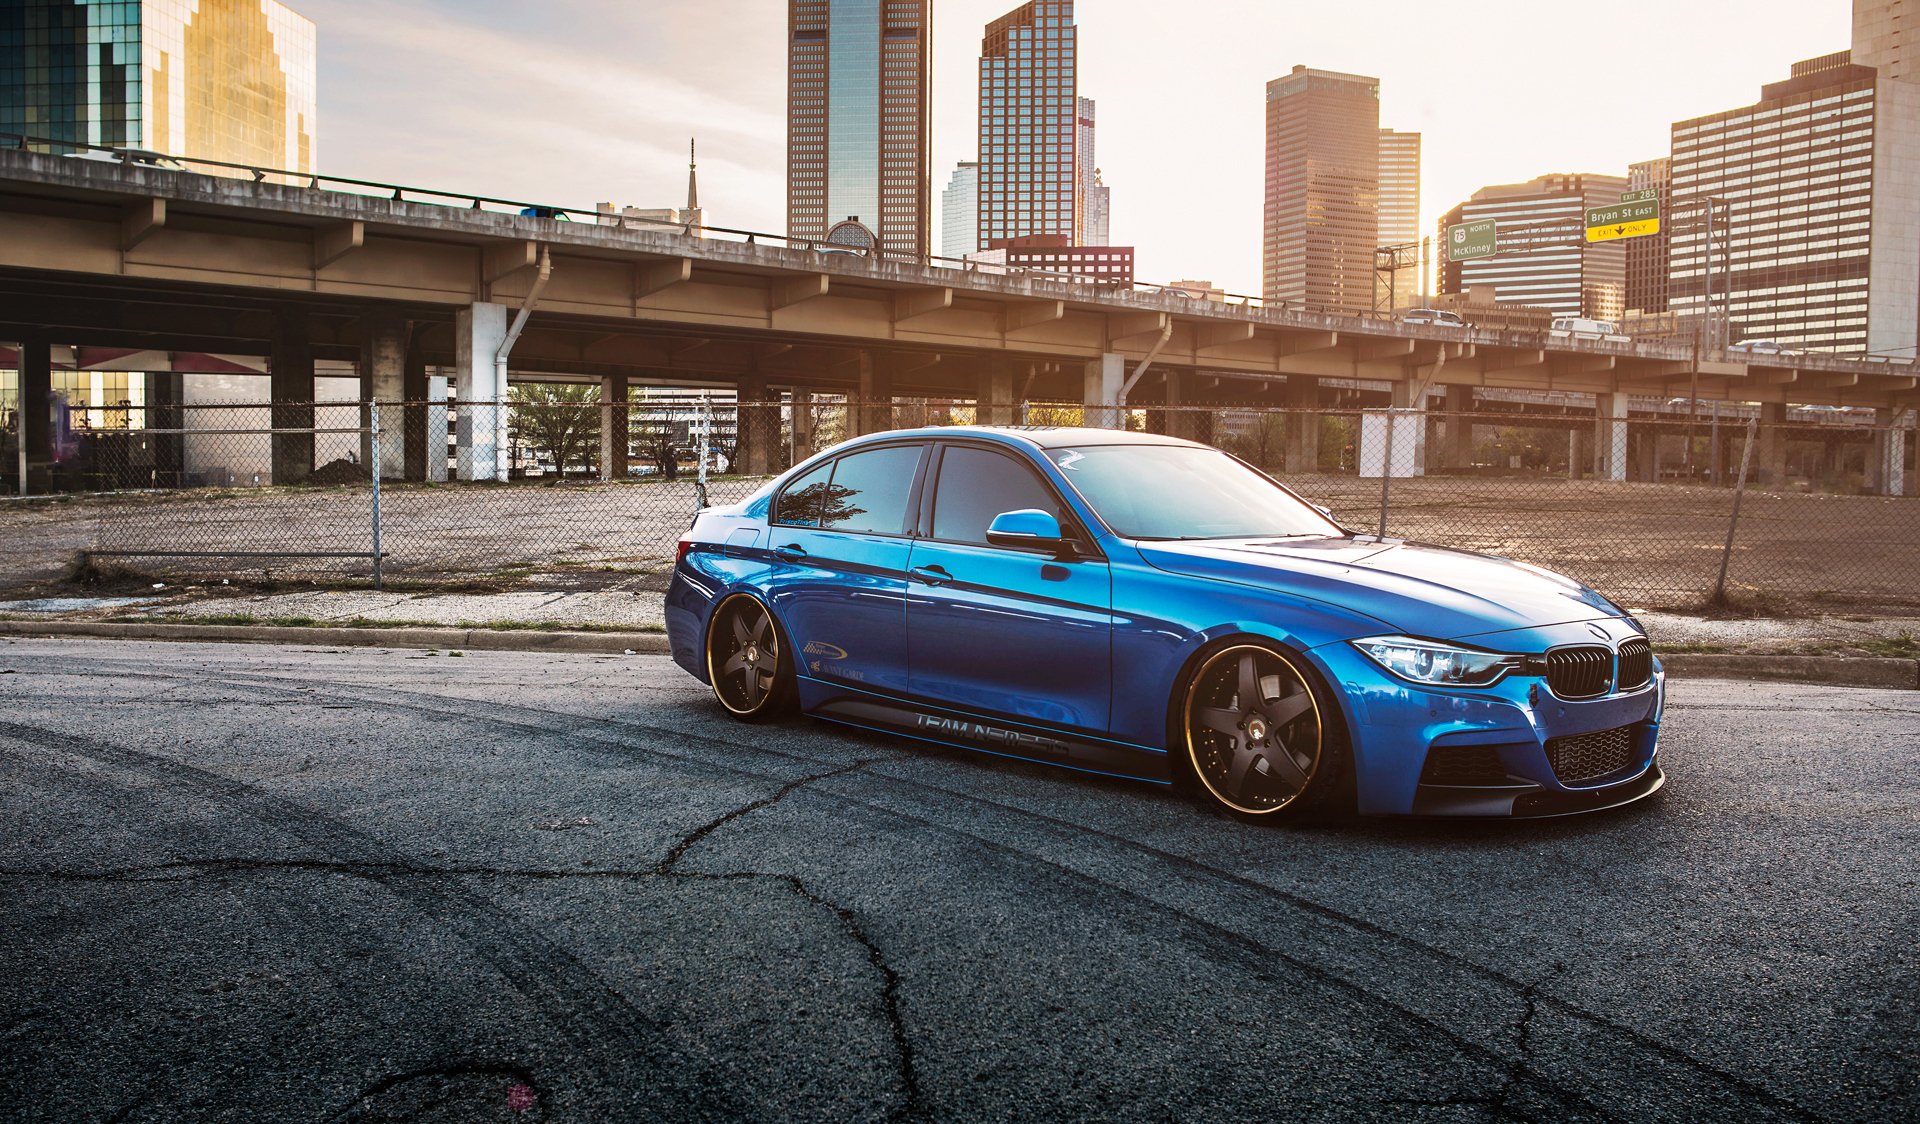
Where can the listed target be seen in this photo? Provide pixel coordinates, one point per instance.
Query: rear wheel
(1262, 741)
(747, 662)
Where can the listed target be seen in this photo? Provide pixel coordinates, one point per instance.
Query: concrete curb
(467, 639)
(1842, 671)
(1839, 671)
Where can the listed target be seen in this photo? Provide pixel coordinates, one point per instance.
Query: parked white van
(1579, 328)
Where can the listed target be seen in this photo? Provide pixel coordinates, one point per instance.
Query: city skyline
(407, 99)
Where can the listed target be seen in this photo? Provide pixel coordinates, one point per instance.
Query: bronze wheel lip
(713, 676)
(1313, 701)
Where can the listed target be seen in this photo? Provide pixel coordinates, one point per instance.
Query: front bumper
(1395, 727)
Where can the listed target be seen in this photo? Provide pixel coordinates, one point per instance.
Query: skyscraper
(1544, 259)
(231, 80)
(1647, 255)
(1028, 118)
(1083, 168)
(1797, 207)
(858, 126)
(1322, 191)
(960, 211)
(1099, 230)
(1399, 216)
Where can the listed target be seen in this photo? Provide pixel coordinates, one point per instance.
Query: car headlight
(1443, 665)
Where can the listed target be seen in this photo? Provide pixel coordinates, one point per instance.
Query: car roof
(1035, 436)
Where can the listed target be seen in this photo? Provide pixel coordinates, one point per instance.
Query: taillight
(681, 550)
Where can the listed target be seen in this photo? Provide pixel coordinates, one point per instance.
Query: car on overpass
(1141, 606)
(1581, 328)
(1436, 317)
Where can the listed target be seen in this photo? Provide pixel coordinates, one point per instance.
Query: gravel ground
(265, 884)
(1656, 545)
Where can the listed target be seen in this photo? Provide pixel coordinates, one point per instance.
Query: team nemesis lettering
(992, 735)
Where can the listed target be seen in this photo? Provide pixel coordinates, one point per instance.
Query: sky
(576, 102)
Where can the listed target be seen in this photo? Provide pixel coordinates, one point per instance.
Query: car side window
(800, 503)
(977, 484)
(870, 489)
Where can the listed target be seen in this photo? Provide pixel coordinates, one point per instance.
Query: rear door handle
(791, 551)
(931, 575)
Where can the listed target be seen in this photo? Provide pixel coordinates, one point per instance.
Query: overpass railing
(558, 482)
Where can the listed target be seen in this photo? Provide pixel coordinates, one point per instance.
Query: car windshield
(1184, 492)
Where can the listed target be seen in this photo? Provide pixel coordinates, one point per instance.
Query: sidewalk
(1865, 652)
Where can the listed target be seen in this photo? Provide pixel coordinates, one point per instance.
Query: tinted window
(1184, 492)
(801, 502)
(976, 485)
(869, 491)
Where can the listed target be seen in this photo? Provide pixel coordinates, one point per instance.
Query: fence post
(1739, 490)
(703, 425)
(373, 415)
(20, 426)
(1386, 471)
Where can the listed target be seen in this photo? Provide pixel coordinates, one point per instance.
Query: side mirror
(1029, 529)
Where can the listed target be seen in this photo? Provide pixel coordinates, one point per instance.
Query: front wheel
(1259, 737)
(746, 662)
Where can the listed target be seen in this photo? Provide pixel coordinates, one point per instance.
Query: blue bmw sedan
(1147, 607)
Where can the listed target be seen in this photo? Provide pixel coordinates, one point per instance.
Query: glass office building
(858, 126)
(1322, 190)
(231, 80)
(1028, 122)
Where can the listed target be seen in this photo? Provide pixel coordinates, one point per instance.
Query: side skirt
(996, 736)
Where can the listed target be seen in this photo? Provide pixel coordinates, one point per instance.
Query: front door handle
(791, 552)
(931, 575)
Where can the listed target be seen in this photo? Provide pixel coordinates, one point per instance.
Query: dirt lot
(1648, 544)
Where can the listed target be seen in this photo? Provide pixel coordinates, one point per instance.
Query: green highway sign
(1469, 240)
(1624, 220)
(1649, 195)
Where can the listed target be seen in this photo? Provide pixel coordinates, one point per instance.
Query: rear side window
(976, 485)
(800, 504)
(862, 492)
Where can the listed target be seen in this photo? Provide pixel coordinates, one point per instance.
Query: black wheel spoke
(1280, 761)
(734, 663)
(740, 633)
(1221, 721)
(1248, 685)
(1284, 710)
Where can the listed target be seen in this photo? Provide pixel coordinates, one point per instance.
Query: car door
(998, 630)
(839, 549)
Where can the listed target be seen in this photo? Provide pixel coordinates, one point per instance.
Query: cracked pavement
(256, 883)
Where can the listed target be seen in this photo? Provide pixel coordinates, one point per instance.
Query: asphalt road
(255, 883)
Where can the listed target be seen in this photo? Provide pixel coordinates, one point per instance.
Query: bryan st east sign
(1629, 219)
(1472, 240)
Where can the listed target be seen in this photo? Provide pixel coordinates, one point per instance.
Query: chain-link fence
(1639, 507)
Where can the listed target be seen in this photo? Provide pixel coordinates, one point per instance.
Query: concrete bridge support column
(613, 427)
(1887, 454)
(383, 379)
(757, 425)
(37, 408)
(1172, 420)
(873, 410)
(800, 437)
(1101, 391)
(290, 371)
(478, 332)
(416, 435)
(1610, 435)
(995, 394)
(1769, 447)
(1301, 393)
(1456, 450)
(165, 391)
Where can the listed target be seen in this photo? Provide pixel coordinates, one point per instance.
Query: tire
(1259, 737)
(747, 661)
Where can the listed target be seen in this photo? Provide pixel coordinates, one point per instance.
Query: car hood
(1420, 590)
